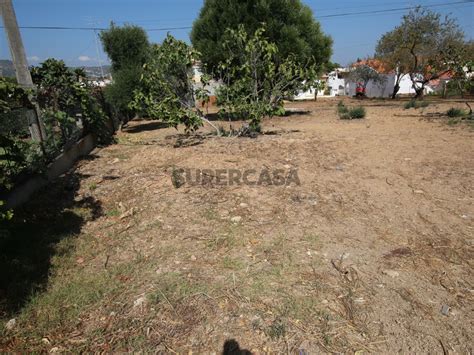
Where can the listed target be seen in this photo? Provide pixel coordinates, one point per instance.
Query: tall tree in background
(289, 24)
(128, 49)
(365, 73)
(395, 56)
(427, 41)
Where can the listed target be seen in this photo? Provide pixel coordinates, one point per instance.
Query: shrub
(416, 104)
(357, 112)
(455, 112)
(341, 108)
(349, 113)
(166, 91)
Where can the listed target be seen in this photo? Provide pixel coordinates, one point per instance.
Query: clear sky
(354, 35)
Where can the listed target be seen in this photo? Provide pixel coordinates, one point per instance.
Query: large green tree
(289, 24)
(128, 49)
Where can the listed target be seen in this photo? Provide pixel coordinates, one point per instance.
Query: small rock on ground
(236, 219)
(391, 273)
(10, 324)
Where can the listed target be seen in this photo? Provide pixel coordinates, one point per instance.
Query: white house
(334, 86)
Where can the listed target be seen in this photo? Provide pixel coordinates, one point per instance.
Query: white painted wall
(337, 85)
(386, 89)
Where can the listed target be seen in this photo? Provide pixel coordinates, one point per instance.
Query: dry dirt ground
(371, 252)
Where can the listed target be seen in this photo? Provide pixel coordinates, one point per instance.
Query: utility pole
(20, 62)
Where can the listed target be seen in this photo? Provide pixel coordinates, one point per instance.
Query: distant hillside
(95, 72)
(7, 69)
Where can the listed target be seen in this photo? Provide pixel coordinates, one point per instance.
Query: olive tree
(364, 74)
(394, 56)
(428, 41)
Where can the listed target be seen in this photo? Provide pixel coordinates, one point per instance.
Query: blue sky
(354, 36)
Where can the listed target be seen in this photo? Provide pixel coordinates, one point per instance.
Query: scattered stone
(419, 192)
(464, 216)
(324, 301)
(244, 205)
(56, 350)
(193, 258)
(287, 166)
(236, 219)
(113, 314)
(391, 273)
(339, 168)
(139, 302)
(10, 324)
(115, 161)
(445, 310)
(45, 341)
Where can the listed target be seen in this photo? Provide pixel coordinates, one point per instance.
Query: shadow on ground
(232, 347)
(28, 242)
(145, 126)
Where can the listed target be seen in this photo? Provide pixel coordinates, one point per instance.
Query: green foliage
(120, 93)
(357, 112)
(254, 80)
(364, 74)
(5, 215)
(166, 90)
(394, 56)
(128, 49)
(341, 108)
(126, 46)
(350, 113)
(426, 43)
(416, 104)
(290, 25)
(67, 103)
(17, 155)
(69, 110)
(456, 112)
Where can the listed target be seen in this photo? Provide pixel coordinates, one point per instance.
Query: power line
(190, 27)
(394, 9)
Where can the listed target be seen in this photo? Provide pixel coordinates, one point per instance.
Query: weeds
(456, 112)
(232, 264)
(113, 213)
(276, 330)
(357, 112)
(173, 287)
(416, 104)
(349, 113)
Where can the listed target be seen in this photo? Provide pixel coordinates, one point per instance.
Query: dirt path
(372, 251)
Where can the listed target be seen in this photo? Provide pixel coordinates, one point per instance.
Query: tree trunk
(420, 93)
(461, 90)
(396, 88)
(445, 89)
